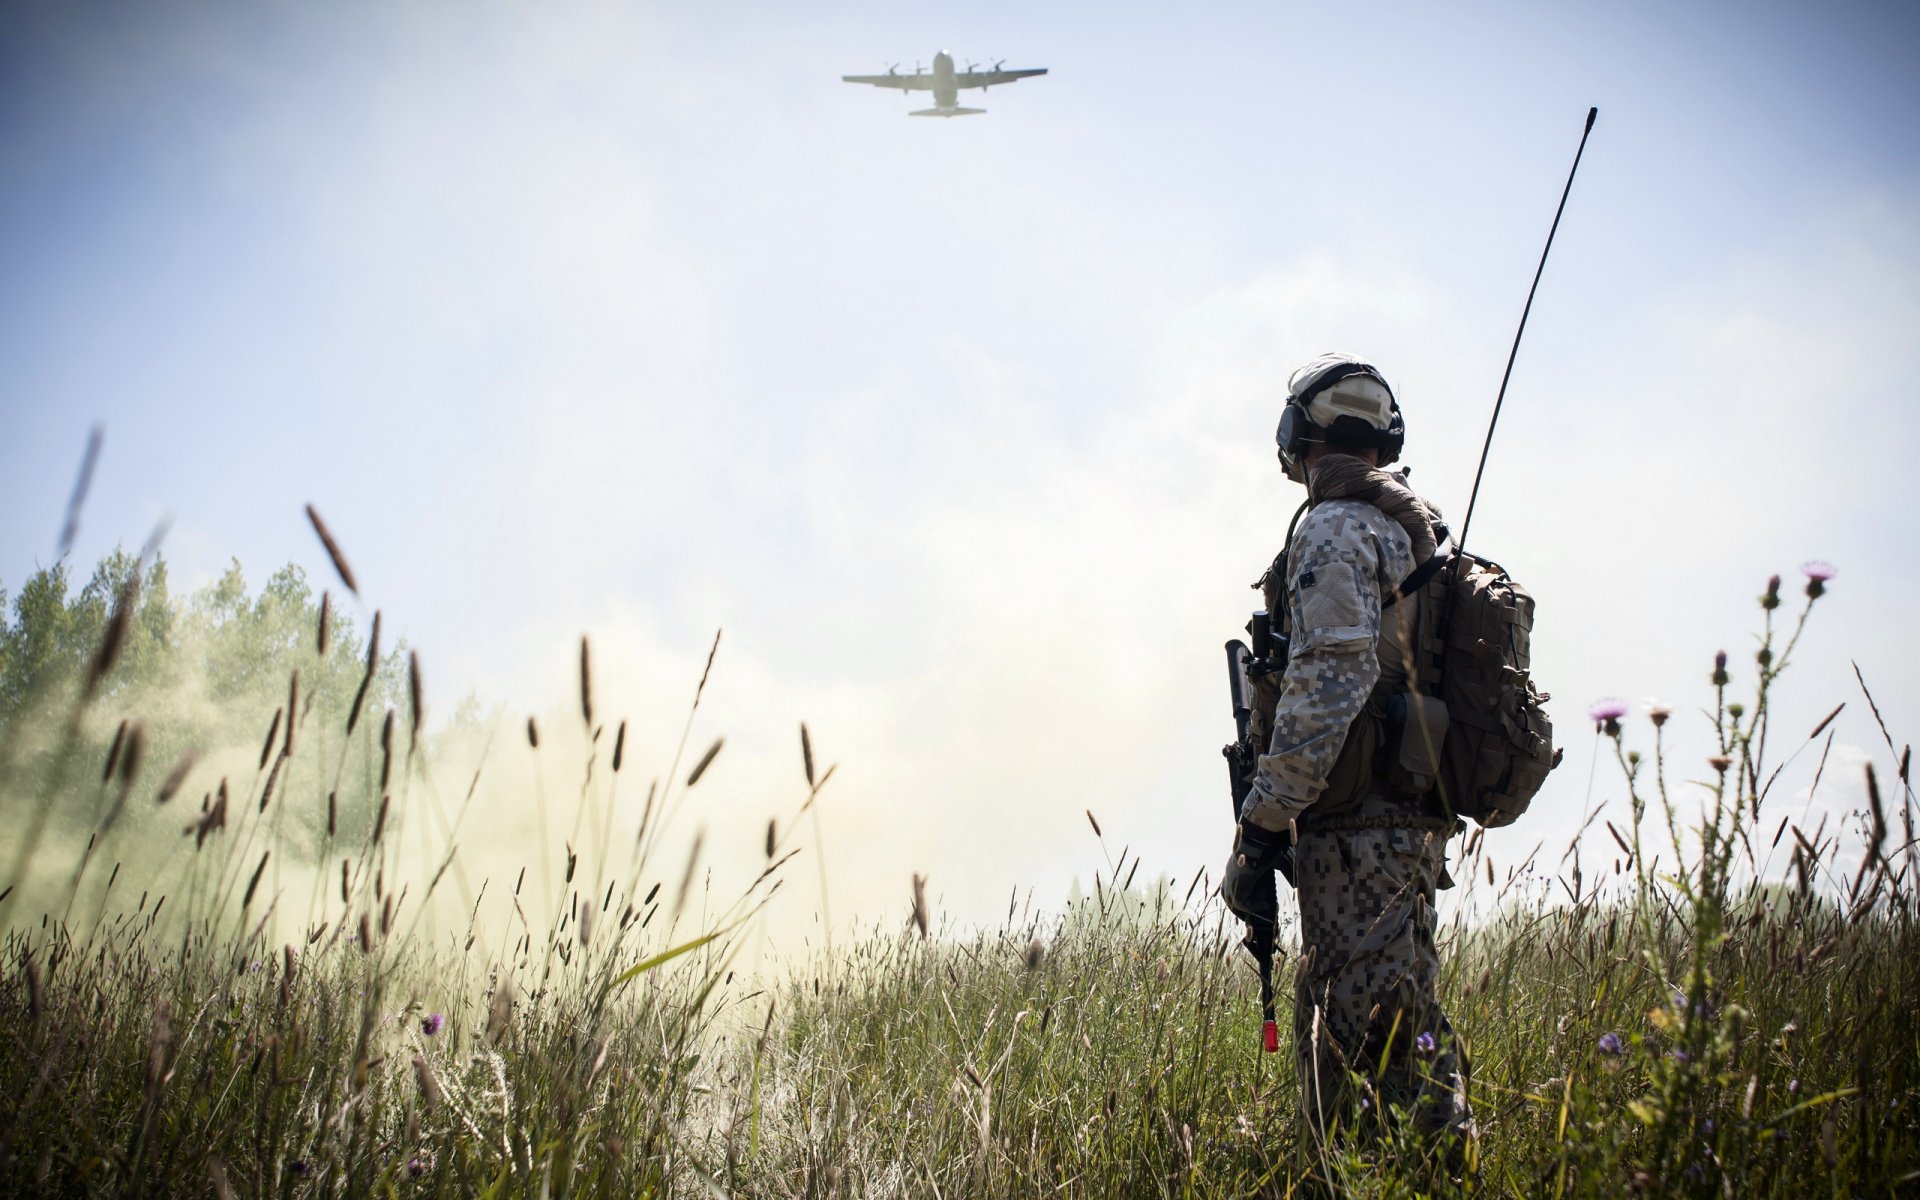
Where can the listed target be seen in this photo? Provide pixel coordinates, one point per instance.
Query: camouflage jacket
(1345, 557)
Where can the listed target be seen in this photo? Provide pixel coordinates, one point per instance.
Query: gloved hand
(1247, 884)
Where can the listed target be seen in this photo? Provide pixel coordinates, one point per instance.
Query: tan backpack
(1474, 654)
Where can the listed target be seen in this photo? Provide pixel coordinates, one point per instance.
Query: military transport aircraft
(945, 83)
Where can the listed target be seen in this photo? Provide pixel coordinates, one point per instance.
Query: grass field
(1637, 1030)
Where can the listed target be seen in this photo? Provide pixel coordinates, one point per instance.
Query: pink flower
(1607, 710)
(1817, 574)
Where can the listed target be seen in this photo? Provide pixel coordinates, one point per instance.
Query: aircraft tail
(947, 111)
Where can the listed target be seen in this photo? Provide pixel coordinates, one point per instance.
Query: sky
(634, 321)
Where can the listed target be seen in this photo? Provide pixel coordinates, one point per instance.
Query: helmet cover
(1343, 396)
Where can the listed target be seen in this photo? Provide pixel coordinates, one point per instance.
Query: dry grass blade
(1826, 720)
(706, 760)
(36, 991)
(333, 550)
(217, 1171)
(686, 876)
(1871, 704)
(708, 669)
(586, 682)
(1879, 832)
(500, 1011)
(806, 752)
(366, 679)
(429, 1086)
(920, 903)
(70, 529)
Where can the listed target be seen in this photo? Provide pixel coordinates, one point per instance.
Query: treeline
(204, 674)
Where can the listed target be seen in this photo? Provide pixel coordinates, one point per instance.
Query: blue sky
(635, 320)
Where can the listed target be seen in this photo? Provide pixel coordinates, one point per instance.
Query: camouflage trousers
(1368, 1033)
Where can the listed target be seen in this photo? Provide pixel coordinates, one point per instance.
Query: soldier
(1368, 1034)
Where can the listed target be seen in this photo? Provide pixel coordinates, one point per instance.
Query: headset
(1295, 424)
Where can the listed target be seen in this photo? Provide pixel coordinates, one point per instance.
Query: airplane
(945, 83)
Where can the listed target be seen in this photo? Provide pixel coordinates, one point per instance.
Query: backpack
(1475, 628)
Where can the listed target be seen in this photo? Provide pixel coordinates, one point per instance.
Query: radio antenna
(1460, 543)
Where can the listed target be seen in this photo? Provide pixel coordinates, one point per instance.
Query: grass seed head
(416, 694)
(706, 760)
(170, 786)
(920, 903)
(586, 682)
(254, 883)
(114, 639)
(333, 550)
(619, 745)
(113, 752)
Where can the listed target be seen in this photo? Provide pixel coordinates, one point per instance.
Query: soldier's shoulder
(1346, 525)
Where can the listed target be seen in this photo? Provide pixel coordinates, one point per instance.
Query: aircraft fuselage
(946, 92)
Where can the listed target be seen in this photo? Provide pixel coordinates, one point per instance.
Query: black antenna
(1460, 543)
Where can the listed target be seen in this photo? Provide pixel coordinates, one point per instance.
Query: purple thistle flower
(1817, 574)
(1681, 1056)
(415, 1168)
(1608, 710)
(431, 1025)
(1610, 1043)
(1425, 1043)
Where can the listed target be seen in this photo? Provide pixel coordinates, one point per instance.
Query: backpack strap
(1418, 578)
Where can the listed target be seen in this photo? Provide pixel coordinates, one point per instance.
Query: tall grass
(1699, 1029)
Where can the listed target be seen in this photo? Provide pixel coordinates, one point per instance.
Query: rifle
(1241, 755)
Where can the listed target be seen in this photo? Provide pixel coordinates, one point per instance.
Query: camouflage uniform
(1367, 863)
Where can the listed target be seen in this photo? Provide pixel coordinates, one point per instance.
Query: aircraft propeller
(999, 64)
(894, 69)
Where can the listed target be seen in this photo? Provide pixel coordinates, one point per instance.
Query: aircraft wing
(906, 83)
(980, 79)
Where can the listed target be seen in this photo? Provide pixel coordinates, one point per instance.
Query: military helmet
(1346, 401)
